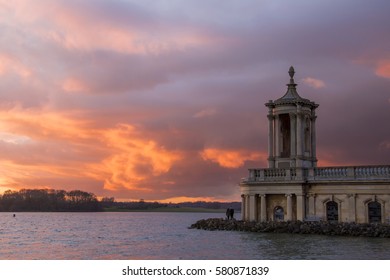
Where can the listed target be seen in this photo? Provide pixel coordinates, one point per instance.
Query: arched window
(332, 211)
(285, 135)
(278, 213)
(374, 212)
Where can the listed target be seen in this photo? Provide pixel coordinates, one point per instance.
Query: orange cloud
(12, 65)
(383, 69)
(74, 85)
(40, 125)
(133, 159)
(76, 27)
(231, 158)
(188, 199)
(314, 83)
(61, 146)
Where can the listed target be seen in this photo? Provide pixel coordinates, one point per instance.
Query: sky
(164, 100)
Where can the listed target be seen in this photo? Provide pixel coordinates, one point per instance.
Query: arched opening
(285, 135)
(278, 213)
(332, 211)
(374, 212)
(307, 136)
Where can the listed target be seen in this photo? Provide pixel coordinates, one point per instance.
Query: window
(278, 213)
(332, 211)
(374, 212)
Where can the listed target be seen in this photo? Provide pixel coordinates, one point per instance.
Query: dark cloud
(134, 92)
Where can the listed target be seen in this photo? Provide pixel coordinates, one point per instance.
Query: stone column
(253, 206)
(383, 205)
(243, 207)
(263, 213)
(340, 212)
(258, 202)
(293, 131)
(312, 210)
(277, 137)
(247, 207)
(271, 155)
(299, 136)
(300, 207)
(289, 207)
(352, 207)
(293, 139)
(313, 139)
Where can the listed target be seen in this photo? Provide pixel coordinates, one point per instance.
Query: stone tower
(291, 133)
(293, 188)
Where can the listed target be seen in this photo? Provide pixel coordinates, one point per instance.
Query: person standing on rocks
(229, 214)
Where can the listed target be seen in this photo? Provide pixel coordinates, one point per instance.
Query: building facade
(294, 188)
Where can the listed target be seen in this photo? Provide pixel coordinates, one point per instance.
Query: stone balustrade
(319, 173)
(274, 174)
(350, 172)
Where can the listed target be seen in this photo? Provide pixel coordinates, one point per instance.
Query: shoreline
(155, 210)
(168, 209)
(296, 227)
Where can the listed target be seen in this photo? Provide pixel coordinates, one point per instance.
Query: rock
(312, 227)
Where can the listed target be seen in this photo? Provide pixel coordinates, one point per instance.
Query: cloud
(187, 199)
(47, 145)
(383, 69)
(157, 99)
(314, 83)
(205, 113)
(385, 145)
(74, 85)
(230, 158)
(85, 26)
(133, 159)
(9, 65)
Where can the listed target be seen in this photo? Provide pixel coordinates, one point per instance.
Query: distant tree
(82, 201)
(11, 200)
(107, 202)
(48, 200)
(57, 200)
(108, 199)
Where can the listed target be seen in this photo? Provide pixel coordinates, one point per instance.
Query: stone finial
(291, 72)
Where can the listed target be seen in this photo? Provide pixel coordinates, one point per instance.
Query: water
(165, 236)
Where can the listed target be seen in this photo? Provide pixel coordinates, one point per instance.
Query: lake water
(140, 235)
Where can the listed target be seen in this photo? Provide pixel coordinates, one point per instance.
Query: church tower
(291, 133)
(293, 188)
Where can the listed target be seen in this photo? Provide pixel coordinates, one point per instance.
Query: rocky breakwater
(298, 227)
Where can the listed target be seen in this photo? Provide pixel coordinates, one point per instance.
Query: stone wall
(352, 200)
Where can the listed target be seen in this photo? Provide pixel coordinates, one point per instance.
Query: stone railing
(319, 174)
(350, 172)
(275, 174)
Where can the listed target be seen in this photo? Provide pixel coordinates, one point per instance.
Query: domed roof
(291, 97)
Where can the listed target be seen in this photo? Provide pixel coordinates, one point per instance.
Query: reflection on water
(295, 246)
(163, 236)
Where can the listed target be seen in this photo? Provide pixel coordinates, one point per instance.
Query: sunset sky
(164, 100)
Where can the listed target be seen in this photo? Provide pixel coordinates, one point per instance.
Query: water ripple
(163, 236)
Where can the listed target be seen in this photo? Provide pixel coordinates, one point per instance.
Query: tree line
(48, 200)
(110, 203)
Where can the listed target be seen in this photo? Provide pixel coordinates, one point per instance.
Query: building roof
(291, 97)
